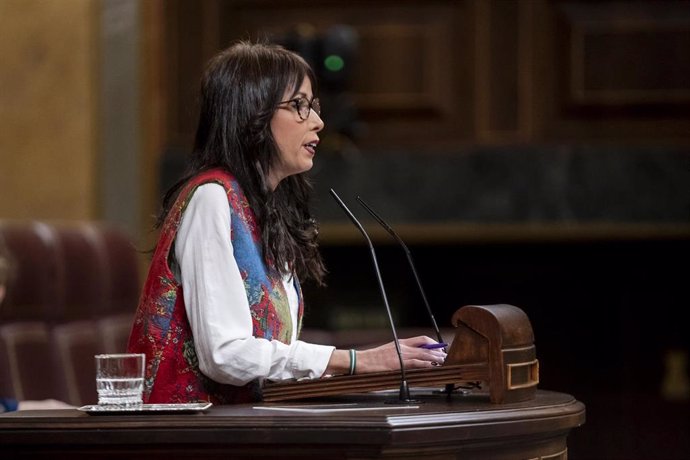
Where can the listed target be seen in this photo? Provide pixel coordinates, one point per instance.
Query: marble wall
(48, 107)
(518, 184)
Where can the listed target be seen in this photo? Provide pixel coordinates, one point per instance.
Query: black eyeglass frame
(313, 105)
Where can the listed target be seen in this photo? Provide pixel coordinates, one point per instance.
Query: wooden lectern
(493, 344)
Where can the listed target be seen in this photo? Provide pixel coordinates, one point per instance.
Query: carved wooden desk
(463, 426)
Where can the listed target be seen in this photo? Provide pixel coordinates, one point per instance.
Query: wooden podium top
(493, 344)
(350, 426)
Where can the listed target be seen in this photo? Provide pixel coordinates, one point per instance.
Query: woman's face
(296, 138)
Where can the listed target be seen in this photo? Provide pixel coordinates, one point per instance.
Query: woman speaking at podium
(222, 308)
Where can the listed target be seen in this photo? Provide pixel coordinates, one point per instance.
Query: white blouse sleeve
(217, 306)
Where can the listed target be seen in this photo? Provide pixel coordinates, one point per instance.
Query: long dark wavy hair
(240, 90)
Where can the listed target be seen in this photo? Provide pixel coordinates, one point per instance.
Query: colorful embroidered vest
(161, 329)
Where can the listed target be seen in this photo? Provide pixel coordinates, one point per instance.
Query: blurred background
(532, 152)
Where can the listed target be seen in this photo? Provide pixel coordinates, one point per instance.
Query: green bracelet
(353, 361)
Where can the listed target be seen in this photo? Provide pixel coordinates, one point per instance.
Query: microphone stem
(404, 394)
(388, 310)
(408, 253)
(421, 290)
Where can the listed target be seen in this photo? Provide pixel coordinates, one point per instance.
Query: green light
(334, 63)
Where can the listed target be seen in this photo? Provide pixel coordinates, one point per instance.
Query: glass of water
(120, 380)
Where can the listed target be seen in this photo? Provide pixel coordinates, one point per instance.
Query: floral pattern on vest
(161, 329)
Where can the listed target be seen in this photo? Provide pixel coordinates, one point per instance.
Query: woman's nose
(318, 122)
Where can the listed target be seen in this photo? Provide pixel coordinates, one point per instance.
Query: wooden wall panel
(438, 75)
(405, 84)
(503, 71)
(631, 56)
(413, 69)
(614, 72)
(189, 27)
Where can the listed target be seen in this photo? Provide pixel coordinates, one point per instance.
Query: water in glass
(120, 380)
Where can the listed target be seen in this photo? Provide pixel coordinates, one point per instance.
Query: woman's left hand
(385, 357)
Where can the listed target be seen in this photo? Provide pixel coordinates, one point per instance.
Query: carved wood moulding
(627, 55)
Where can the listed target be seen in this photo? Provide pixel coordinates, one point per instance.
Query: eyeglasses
(304, 106)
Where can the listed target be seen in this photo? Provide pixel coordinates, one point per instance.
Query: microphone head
(350, 215)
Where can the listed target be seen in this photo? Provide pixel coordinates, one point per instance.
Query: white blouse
(217, 306)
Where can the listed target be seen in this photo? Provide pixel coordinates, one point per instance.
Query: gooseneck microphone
(404, 395)
(409, 260)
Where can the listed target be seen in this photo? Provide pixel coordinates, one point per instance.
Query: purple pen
(433, 346)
